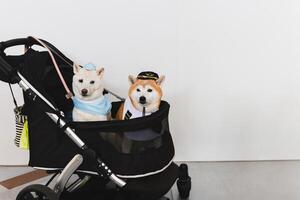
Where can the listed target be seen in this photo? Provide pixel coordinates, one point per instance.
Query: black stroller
(140, 170)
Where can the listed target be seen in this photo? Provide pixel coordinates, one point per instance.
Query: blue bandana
(99, 106)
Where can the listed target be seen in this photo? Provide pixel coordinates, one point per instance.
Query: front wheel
(37, 192)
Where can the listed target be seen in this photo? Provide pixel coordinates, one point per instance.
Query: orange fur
(119, 114)
(144, 83)
(132, 88)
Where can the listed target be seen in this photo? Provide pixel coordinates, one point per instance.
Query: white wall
(231, 67)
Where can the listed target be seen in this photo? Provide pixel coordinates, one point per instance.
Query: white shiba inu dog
(89, 102)
(144, 96)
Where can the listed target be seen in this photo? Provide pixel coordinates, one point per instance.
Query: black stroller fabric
(146, 188)
(139, 150)
(50, 148)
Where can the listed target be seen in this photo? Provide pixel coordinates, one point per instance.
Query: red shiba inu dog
(144, 96)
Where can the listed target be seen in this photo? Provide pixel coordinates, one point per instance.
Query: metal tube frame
(101, 166)
(66, 174)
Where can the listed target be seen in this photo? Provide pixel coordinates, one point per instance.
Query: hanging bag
(22, 137)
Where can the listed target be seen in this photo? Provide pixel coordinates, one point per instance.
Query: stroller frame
(72, 166)
(57, 116)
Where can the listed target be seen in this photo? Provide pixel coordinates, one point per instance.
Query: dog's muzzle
(143, 100)
(84, 92)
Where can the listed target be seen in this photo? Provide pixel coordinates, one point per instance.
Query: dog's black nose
(142, 100)
(84, 92)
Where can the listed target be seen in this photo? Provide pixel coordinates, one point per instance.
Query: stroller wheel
(37, 192)
(184, 183)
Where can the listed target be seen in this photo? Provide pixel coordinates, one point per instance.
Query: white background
(232, 67)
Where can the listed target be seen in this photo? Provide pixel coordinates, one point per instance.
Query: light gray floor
(8, 172)
(276, 180)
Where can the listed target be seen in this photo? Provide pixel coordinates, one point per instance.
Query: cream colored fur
(82, 80)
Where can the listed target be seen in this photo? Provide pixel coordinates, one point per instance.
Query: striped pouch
(21, 120)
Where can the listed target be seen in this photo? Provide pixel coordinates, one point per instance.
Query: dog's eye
(149, 90)
(80, 80)
(92, 82)
(138, 90)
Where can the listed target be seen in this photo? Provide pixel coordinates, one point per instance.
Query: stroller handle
(7, 72)
(16, 42)
(29, 41)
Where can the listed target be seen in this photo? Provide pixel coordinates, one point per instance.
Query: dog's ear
(160, 80)
(131, 79)
(76, 68)
(100, 71)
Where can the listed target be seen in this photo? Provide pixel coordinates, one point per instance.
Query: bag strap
(52, 49)
(68, 91)
(13, 96)
(58, 53)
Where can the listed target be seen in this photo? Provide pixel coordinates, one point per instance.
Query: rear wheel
(37, 192)
(184, 183)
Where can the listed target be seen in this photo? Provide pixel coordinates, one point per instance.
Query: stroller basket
(132, 148)
(138, 150)
(112, 140)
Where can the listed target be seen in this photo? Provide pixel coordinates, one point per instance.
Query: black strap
(13, 96)
(128, 115)
(69, 62)
(64, 127)
(58, 53)
(51, 179)
(144, 111)
(67, 124)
